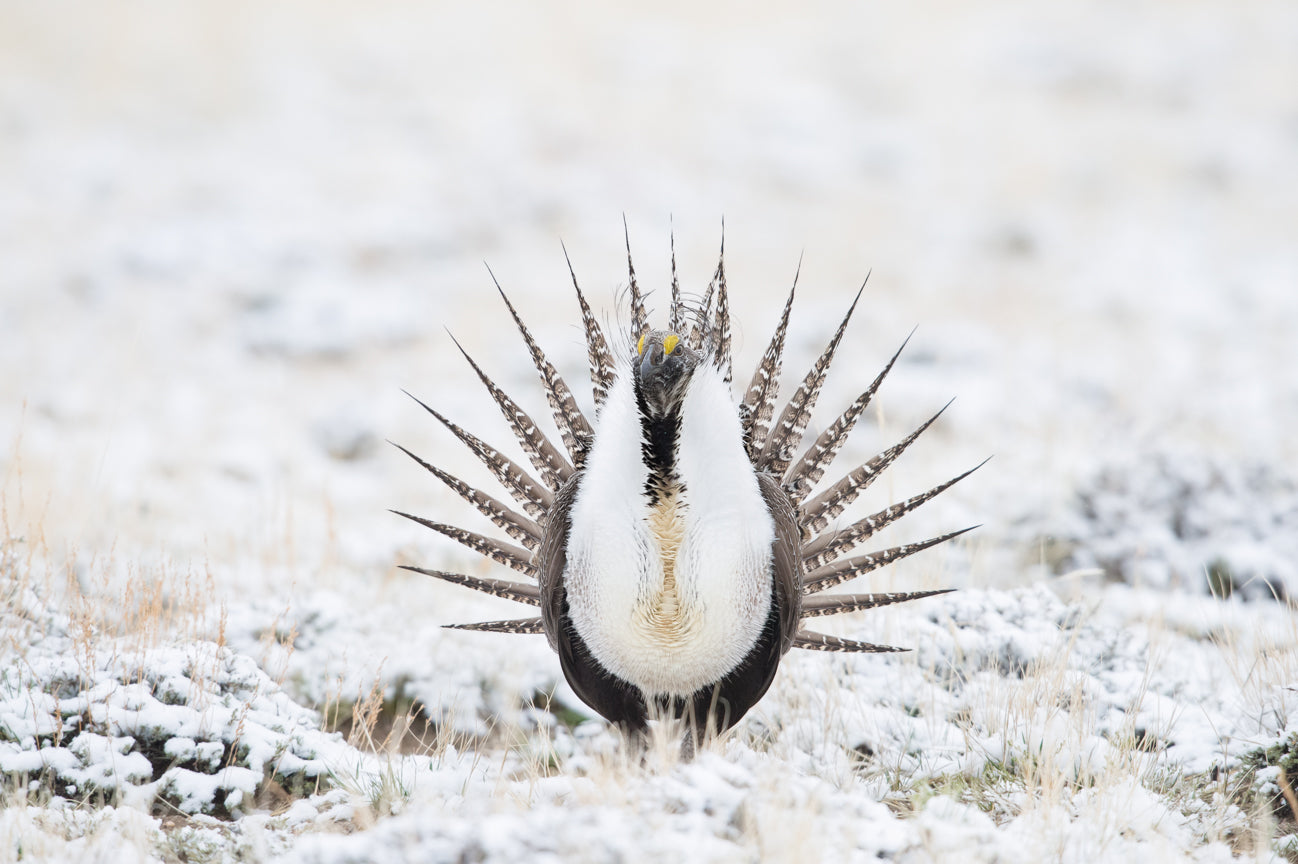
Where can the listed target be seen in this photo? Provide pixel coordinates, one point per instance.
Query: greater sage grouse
(673, 546)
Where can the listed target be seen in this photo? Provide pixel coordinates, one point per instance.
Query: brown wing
(552, 558)
(787, 556)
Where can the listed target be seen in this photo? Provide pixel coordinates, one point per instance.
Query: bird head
(663, 365)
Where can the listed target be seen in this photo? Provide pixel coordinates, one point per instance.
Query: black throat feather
(660, 433)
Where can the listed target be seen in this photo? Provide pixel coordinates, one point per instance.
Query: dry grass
(1043, 729)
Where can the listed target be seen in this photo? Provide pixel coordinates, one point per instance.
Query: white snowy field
(231, 234)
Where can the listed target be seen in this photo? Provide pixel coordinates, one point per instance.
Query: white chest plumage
(668, 551)
(671, 595)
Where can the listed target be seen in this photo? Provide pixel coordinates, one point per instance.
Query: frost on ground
(1024, 726)
(229, 239)
(1178, 519)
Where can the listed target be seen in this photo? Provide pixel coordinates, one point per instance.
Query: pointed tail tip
(421, 403)
(494, 280)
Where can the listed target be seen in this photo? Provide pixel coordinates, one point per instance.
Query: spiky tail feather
(845, 571)
(821, 510)
(830, 545)
(516, 525)
(765, 385)
(518, 591)
(573, 426)
(535, 498)
(526, 626)
(804, 476)
(721, 327)
(511, 556)
(824, 642)
(787, 432)
(838, 604)
(544, 456)
(639, 317)
(675, 316)
(597, 351)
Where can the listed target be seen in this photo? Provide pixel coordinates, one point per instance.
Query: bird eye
(639, 346)
(670, 343)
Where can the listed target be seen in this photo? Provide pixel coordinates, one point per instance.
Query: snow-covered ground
(231, 234)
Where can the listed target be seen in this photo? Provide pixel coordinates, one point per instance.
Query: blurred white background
(230, 233)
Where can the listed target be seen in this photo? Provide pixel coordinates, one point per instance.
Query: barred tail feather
(821, 510)
(573, 427)
(676, 315)
(721, 327)
(544, 456)
(765, 385)
(517, 591)
(787, 433)
(525, 626)
(532, 496)
(837, 604)
(597, 352)
(830, 575)
(824, 642)
(639, 317)
(515, 524)
(828, 546)
(511, 556)
(811, 467)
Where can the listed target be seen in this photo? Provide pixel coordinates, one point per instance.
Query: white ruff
(670, 598)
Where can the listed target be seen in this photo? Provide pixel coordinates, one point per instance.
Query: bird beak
(653, 358)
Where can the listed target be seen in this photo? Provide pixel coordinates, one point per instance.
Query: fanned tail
(516, 525)
(770, 447)
(573, 428)
(511, 556)
(821, 510)
(544, 456)
(676, 316)
(765, 386)
(534, 498)
(787, 433)
(639, 317)
(830, 545)
(837, 604)
(836, 574)
(597, 352)
(721, 327)
(804, 476)
(825, 642)
(527, 626)
(517, 591)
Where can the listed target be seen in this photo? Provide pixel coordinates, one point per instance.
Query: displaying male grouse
(673, 546)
